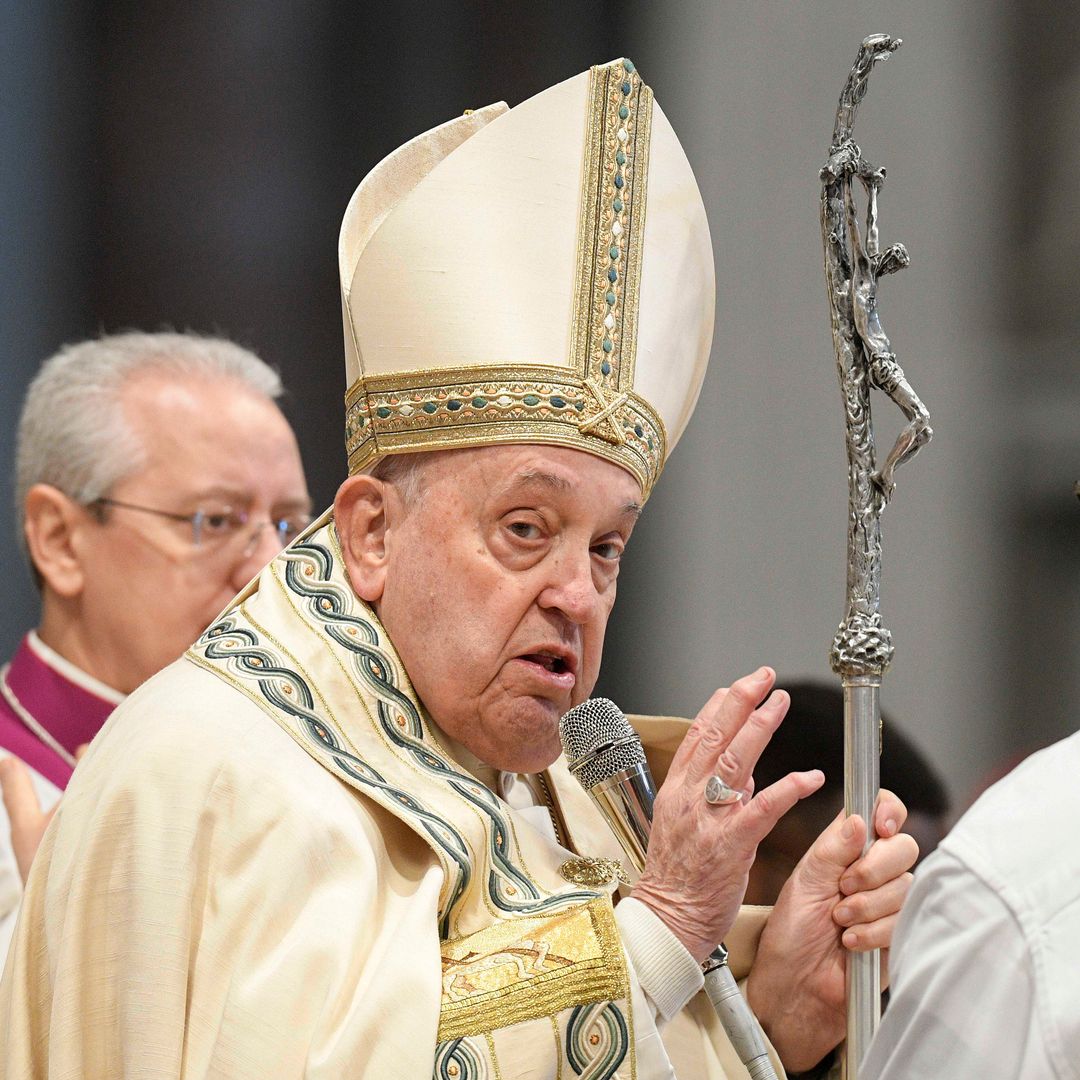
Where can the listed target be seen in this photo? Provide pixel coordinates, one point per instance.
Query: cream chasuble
(268, 866)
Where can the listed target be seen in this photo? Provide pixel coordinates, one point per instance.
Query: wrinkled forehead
(492, 471)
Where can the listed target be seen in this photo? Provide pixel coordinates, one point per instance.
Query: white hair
(405, 472)
(73, 433)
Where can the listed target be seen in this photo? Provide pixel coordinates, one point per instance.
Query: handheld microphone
(606, 757)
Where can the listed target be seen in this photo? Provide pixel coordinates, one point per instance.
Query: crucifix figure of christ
(868, 263)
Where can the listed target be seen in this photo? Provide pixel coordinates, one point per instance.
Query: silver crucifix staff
(862, 648)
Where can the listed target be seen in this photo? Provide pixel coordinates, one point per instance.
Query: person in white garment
(338, 838)
(155, 474)
(985, 960)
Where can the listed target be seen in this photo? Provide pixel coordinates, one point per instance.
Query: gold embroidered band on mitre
(474, 406)
(587, 404)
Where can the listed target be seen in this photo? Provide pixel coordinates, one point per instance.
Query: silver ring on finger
(719, 793)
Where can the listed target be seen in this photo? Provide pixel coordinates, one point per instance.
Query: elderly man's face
(500, 578)
(210, 445)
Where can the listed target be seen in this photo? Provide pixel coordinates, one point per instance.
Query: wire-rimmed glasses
(217, 530)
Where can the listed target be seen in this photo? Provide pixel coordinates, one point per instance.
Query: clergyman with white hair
(154, 476)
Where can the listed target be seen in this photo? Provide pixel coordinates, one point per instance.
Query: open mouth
(548, 662)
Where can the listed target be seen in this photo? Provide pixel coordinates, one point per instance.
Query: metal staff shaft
(862, 648)
(862, 739)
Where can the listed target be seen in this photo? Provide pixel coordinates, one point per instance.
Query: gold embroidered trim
(494, 1056)
(635, 247)
(531, 968)
(453, 407)
(593, 872)
(558, 1047)
(606, 413)
(588, 225)
(611, 224)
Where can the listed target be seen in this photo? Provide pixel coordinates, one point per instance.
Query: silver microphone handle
(626, 801)
(738, 1019)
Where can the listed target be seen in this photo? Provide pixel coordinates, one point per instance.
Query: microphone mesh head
(586, 728)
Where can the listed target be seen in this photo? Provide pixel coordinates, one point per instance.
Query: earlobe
(361, 514)
(51, 524)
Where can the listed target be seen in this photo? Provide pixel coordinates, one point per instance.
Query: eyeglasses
(216, 530)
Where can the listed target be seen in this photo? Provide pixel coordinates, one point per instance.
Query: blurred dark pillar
(48, 180)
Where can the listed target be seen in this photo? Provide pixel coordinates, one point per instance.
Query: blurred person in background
(155, 475)
(813, 734)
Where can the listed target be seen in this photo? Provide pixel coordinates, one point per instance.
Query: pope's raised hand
(700, 854)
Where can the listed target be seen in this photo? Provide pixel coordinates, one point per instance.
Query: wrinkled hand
(27, 820)
(700, 855)
(835, 900)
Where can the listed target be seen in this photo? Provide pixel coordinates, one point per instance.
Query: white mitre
(541, 274)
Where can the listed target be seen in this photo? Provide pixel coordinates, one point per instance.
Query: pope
(338, 837)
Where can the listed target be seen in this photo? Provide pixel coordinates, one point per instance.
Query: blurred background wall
(187, 165)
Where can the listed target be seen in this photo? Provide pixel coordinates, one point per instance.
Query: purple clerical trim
(71, 714)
